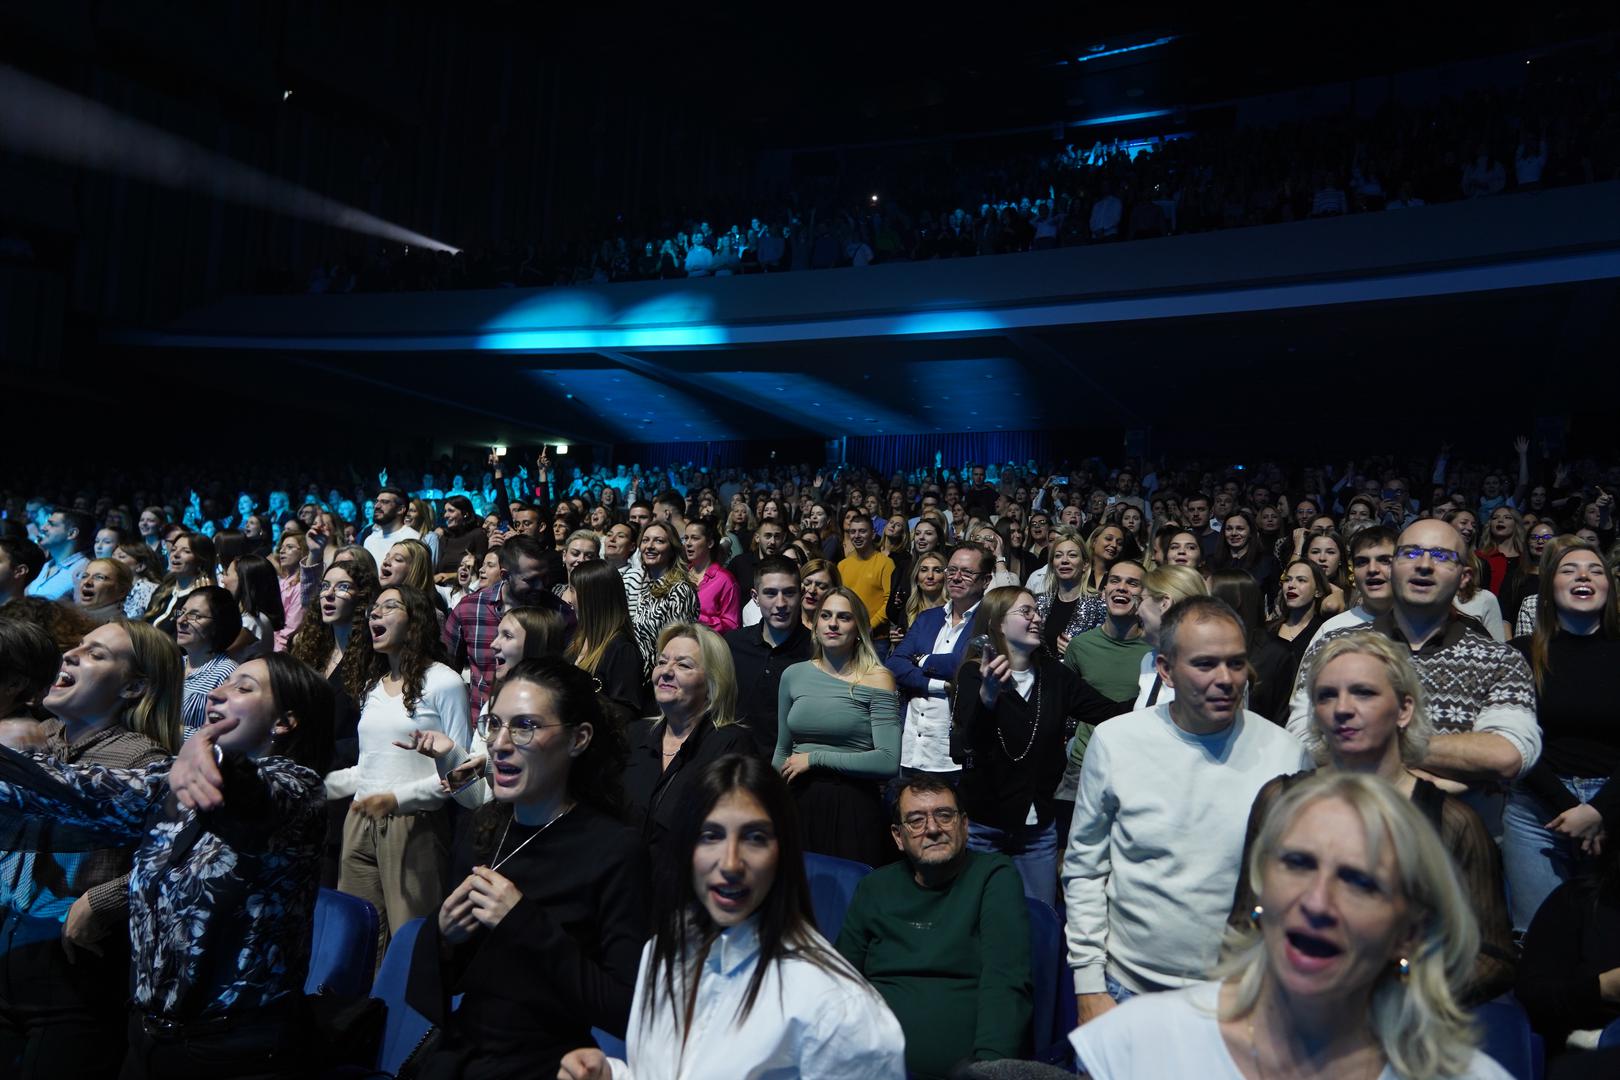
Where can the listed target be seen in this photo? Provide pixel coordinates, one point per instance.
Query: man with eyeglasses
(944, 937)
(925, 663)
(387, 523)
(1480, 693)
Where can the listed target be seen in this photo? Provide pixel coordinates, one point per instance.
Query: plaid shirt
(469, 630)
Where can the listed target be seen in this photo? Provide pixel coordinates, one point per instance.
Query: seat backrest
(1054, 1006)
(404, 1027)
(343, 948)
(832, 885)
(1505, 1036)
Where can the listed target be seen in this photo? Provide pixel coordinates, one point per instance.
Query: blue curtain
(886, 454)
(716, 455)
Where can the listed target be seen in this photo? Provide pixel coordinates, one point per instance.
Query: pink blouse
(720, 606)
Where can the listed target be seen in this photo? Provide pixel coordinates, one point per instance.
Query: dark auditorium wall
(378, 118)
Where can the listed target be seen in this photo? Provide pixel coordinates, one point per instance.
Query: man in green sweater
(1109, 657)
(944, 937)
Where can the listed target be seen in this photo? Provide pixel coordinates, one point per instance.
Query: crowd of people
(1555, 128)
(1312, 761)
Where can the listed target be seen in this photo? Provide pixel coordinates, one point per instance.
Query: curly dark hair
(594, 777)
(314, 641)
(422, 647)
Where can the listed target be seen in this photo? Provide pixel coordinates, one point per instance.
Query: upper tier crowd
(1314, 764)
(1559, 126)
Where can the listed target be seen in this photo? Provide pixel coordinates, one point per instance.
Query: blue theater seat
(832, 886)
(343, 949)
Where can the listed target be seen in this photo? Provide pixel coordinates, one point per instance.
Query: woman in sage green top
(838, 735)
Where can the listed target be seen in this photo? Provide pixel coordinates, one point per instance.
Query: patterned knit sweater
(1472, 683)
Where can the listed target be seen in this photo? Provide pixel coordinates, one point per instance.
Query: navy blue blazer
(913, 677)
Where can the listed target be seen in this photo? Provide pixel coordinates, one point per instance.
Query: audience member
(925, 663)
(944, 937)
(761, 654)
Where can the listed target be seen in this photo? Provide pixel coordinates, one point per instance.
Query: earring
(1403, 969)
(1254, 916)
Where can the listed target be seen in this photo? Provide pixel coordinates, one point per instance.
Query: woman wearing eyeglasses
(545, 929)
(396, 840)
(1016, 707)
(207, 625)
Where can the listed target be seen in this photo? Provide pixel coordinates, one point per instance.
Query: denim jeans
(1118, 990)
(1033, 850)
(1536, 860)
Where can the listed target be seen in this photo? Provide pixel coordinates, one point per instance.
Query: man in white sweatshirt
(1160, 816)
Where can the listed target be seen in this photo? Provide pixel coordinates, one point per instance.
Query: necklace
(1034, 728)
(1260, 1070)
(498, 862)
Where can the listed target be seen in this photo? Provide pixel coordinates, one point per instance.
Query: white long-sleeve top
(384, 767)
(805, 1023)
(1157, 836)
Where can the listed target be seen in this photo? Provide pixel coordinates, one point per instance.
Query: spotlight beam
(44, 120)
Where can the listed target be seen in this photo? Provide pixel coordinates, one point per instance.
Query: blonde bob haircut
(1396, 660)
(156, 713)
(1173, 582)
(719, 674)
(1423, 1030)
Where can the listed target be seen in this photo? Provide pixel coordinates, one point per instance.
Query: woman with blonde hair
(658, 591)
(1065, 606)
(192, 562)
(1162, 587)
(838, 735)
(1371, 717)
(695, 687)
(1359, 944)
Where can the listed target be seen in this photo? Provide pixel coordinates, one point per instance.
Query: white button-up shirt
(806, 1022)
(925, 742)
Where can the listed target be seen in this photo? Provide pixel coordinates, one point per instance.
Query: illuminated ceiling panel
(636, 408)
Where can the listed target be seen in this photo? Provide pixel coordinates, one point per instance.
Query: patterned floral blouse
(222, 904)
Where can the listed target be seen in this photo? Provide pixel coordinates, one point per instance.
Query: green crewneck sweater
(1109, 665)
(952, 963)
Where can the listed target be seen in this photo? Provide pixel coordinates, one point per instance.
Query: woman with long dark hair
(780, 999)
(1558, 813)
(222, 889)
(191, 564)
(148, 566)
(604, 644)
(335, 640)
(460, 535)
(542, 933)
(396, 840)
(252, 581)
(1241, 549)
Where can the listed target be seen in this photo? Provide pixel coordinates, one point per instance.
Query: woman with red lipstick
(1350, 968)
(543, 931)
(1370, 717)
(838, 738)
(736, 981)
(1300, 612)
(659, 591)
